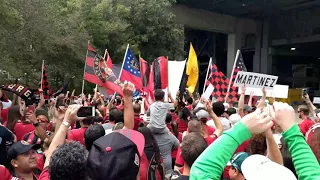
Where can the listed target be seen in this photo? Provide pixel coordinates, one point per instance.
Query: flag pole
(124, 58)
(42, 74)
(204, 86)
(230, 80)
(84, 70)
(168, 77)
(140, 62)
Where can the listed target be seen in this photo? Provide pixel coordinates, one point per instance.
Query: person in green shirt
(211, 162)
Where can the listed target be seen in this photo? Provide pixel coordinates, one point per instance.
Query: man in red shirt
(137, 119)
(78, 134)
(306, 122)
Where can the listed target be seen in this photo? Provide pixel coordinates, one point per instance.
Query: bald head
(136, 108)
(194, 126)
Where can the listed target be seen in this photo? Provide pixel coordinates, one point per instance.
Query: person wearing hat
(235, 172)
(23, 160)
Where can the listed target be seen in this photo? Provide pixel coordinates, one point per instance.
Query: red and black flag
(220, 83)
(45, 83)
(239, 65)
(145, 71)
(98, 72)
(160, 69)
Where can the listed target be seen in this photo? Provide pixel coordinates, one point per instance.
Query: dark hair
(68, 162)
(194, 126)
(93, 133)
(137, 108)
(287, 159)
(184, 114)
(151, 143)
(168, 118)
(174, 127)
(158, 95)
(190, 100)
(304, 109)
(13, 116)
(98, 119)
(192, 146)
(218, 108)
(87, 121)
(231, 111)
(118, 100)
(116, 116)
(258, 144)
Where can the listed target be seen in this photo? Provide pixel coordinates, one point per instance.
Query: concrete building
(280, 37)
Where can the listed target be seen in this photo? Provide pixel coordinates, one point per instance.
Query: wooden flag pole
(84, 70)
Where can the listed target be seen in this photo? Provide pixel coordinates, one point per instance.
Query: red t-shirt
(305, 125)
(179, 158)
(144, 164)
(182, 126)
(20, 129)
(4, 173)
(137, 120)
(209, 129)
(77, 135)
(4, 114)
(189, 107)
(44, 174)
(175, 117)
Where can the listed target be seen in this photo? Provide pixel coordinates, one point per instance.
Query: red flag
(145, 70)
(98, 73)
(108, 59)
(47, 91)
(220, 83)
(150, 89)
(160, 73)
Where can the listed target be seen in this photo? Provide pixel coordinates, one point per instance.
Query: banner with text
(22, 91)
(255, 80)
(279, 91)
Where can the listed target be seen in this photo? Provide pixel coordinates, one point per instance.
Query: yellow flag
(192, 70)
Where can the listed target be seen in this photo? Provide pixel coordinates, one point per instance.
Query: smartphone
(60, 102)
(87, 111)
(31, 109)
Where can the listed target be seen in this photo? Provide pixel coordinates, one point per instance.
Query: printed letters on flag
(97, 72)
(131, 70)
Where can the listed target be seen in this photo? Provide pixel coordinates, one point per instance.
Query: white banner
(175, 69)
(316, 100)
(206, 95)
(255, 80)
(279, 91)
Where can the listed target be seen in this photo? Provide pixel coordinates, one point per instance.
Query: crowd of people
(185, 138)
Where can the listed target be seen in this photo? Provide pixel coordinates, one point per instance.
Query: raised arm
(42, 100)
(215, 118)
(310, 104)
(128, 89)
(250, 99)
(210, 164)
(274, 153)
(60, 135)
(241, 101)
(263, 99)
(304, 161)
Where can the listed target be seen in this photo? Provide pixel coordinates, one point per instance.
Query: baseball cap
(202, 114)
(260, 167)
(238, 159)
(247, 108)
(19, 148)
(116, 155)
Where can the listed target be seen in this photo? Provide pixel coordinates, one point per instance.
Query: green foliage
(57, 31)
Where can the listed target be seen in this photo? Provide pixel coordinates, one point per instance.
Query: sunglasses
(42, 120)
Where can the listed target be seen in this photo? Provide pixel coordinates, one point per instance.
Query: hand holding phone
(86, 111)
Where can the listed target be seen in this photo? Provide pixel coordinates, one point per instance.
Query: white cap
(260, 167)
(234, 118)
(226, 106)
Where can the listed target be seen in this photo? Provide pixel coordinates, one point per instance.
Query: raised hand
(32, 117)
(243, 89)
(128, 89)
(257, 122)
(208, 105)
(71, 113)
(264, 91)
(284, 115)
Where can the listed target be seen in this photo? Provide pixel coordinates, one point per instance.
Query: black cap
(19, 148)
(115, 156)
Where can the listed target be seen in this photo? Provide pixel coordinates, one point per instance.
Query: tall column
(257, 53)
(266, 57)
(234, 43)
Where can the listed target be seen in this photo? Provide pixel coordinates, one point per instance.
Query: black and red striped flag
(239, 65)
(160, 73)
(47, 91)
(98, 72)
